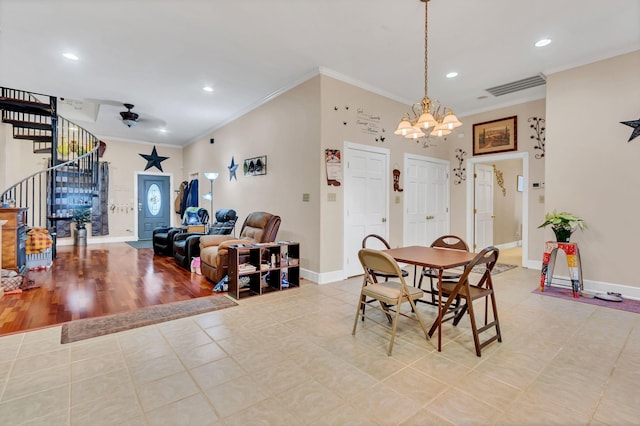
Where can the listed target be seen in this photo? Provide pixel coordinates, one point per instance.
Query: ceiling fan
(129, 117)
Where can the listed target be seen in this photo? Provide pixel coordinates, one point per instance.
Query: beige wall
(536, 170)
(591, 169)
(287, 131)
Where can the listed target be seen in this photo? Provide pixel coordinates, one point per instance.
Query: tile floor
(289, 359)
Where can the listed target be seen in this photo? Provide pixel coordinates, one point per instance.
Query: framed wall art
(495, 136)
(255, 166)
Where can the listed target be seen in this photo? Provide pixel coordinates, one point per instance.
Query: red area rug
(628, 305)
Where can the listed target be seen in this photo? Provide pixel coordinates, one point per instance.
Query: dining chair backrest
(380, 262)
(452, 242)
(374, 237)
(380, 243)
(488, 257)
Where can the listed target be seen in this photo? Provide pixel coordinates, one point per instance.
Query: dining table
(434, 258)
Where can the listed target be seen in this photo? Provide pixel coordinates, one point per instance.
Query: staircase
(71, 180)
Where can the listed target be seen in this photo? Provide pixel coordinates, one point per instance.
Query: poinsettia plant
(563, 221)
(563, 224)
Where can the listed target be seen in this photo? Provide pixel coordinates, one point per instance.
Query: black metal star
(153, 160)
(232, 169)
(636, 128)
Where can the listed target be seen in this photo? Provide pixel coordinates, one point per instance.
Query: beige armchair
(258, 227)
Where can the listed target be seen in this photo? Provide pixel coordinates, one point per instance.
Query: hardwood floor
(97, 280)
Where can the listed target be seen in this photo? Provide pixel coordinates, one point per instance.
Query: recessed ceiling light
(452, 74)
(163, 130)
(208, 89)
(70, 55)
(544, 42)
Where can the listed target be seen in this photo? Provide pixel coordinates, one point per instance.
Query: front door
(366, 200)
(153, 204)
(426, 200)
(483, 207)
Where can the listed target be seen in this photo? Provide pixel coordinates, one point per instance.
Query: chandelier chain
(426, 40)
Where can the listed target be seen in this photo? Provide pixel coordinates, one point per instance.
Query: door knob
(493, 216)
(384, 219)
(139, 207)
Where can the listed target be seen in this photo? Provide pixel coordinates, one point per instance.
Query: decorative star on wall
(232, 169)
(153, 160)
(636, 128)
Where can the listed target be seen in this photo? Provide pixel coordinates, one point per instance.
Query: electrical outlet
(306, 198)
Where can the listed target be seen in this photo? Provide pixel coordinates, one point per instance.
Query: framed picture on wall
(255, 166)
(495, 136)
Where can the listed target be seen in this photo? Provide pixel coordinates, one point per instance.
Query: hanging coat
(181, 199)
(192, 194)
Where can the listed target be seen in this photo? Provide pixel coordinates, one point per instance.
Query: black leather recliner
(162, 239)
(186, 245)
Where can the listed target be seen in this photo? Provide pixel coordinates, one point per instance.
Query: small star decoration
(232, 169)
(153, 160)
(636, 128)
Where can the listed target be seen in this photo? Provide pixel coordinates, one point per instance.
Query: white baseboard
(512, 244)
(95, 240)
(594, 287)
(324, 277)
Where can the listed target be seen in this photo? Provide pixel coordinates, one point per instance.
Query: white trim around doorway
(471, 162)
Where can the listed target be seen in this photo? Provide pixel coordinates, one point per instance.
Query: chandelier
(427, 116)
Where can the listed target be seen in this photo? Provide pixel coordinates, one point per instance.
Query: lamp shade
(440, 130)
(415, 133)
(404, 127)
(426, 120)
(211, 175)
(451, 121)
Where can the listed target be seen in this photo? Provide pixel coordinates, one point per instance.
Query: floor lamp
(209, 195)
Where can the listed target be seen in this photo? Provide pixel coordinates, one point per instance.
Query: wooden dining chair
(390, 294)
(450, 242)
(465, 289)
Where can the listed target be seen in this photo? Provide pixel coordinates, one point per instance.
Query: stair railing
(73, 166)
(38, 192)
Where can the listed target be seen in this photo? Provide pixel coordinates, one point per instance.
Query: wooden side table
(573, 262)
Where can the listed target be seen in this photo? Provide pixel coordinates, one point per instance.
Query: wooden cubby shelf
(256, 269)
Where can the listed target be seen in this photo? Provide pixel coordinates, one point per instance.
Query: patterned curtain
(100, 204)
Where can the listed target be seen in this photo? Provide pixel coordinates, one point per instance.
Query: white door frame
(383, 151)
(135, 199)
(447, 163)
(471, 162)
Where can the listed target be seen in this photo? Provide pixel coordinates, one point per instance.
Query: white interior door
(483, 207)
(426, 187)
(366, 200)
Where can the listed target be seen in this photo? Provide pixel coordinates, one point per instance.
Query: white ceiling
(158, 54)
